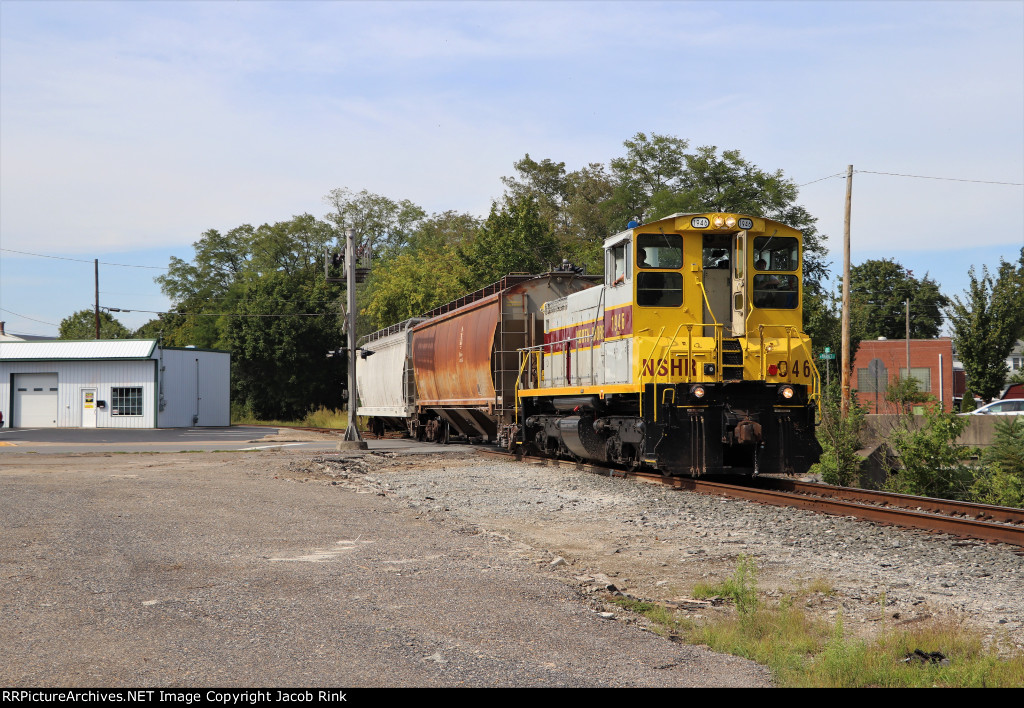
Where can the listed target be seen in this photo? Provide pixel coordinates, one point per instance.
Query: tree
(82, 325)
(1000, 480)
(380, 223)
(651, 169)
(879, 290)
(840, 440)
(656, 177)
(260, 293)
(423, 276)
(279, 341)
(986, 323)
(931, 463)
(512, 239)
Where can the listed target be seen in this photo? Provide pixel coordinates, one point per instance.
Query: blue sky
(128, 129)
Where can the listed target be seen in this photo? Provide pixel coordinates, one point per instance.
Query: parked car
(1011, 406)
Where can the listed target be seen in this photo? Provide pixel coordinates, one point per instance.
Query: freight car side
(384, 378)
(466, 360)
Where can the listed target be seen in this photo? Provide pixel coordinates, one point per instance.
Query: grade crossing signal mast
(355, 263)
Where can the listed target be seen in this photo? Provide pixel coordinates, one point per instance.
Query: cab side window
(616, 266)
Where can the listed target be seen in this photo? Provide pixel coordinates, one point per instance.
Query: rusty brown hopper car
(466, 356)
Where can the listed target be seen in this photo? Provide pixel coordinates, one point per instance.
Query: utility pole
(352, 431)
(96, 280)
(845, 359)
(908, 337)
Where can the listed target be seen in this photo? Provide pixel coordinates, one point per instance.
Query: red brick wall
(924, 353)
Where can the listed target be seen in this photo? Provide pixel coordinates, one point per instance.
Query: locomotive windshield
(659, 251)
(776, 253)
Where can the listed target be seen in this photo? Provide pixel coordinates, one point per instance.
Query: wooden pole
(96, 280)
(845, 373)
(908, 337)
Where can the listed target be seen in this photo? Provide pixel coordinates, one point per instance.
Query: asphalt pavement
(238, 570)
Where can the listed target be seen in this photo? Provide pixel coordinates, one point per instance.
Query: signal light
(697, 392)
(773, 370)
(786, 392)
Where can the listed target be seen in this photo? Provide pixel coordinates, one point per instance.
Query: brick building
(880, 361)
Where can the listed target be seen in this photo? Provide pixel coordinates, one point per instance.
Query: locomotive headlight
(719, 222)
(730, 222)
(697, 392)
(786, 392)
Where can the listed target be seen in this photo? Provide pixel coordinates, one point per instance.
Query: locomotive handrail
(526, 356)
(657, 367)
(815, 386)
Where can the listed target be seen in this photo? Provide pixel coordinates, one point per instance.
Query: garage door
(35, 401)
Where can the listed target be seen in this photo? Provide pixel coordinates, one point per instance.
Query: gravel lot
(655, 543)
(227, 569)
(389, 569)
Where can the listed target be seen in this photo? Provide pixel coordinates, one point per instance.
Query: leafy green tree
(82, 325)
(575, 205)
(279, 345)
(968, 404)
(931, 463)
(260, 293)
(380, 223)
(425, 275)
(656, 177)
(879, 290)
(653, 168)
(986, 323)
(905, 393)
(1000, 479)
(512, 239)
(840, 440)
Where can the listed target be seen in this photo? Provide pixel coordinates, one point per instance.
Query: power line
(82, 260)
(10, 312)
(218, 314)
(947, 179)
(899, 174)
(837, 174)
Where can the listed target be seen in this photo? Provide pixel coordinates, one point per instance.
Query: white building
(113, 383)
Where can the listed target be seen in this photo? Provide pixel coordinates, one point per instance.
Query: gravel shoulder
(655, 543)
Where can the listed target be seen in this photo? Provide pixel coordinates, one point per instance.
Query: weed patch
(801, 651)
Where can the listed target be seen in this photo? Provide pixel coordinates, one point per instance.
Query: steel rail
(870, 511)
(980, 512)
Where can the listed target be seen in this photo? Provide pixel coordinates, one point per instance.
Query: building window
(126, 401)
(923, 376)
(874, 378)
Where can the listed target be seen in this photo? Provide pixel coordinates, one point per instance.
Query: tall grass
(320, 418)
(802, 651)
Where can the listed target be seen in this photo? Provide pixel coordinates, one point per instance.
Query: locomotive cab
(691, 357)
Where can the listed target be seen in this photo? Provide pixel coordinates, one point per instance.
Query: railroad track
(978, 521)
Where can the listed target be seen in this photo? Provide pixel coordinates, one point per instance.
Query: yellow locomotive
(689, 358)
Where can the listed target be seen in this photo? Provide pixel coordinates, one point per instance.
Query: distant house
(879, 362)
(1015, 361)
(4, 337)
(112, 383)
